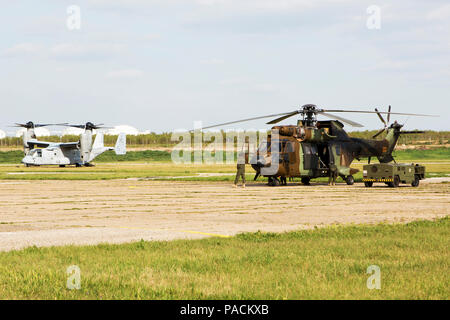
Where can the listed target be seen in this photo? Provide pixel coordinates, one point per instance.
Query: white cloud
(213, 61)
(65, 50)
(22, 49)
(152, 36)
(125, 74)
(441, 13)
(272, 5)
(73, 50)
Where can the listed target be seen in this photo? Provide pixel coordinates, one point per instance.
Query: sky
(160, 65)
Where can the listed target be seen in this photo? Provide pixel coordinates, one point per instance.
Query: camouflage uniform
(240, 173)
(333, 175)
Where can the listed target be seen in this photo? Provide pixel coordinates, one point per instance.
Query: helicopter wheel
(306, 181)
(350, 180)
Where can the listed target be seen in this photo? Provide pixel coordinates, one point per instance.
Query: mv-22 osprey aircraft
(80, 153)
(312, 148)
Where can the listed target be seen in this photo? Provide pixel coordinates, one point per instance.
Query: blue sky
(161, 65)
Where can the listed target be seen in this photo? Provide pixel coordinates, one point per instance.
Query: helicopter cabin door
(292, 151)
(310, 156)
(335, 154)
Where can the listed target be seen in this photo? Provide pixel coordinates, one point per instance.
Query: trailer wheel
(368, 184)
(416, 181)
(396, 182)
(350, 180)
(306, 181)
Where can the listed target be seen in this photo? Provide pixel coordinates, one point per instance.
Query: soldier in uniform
(240, 170)
(333, 175)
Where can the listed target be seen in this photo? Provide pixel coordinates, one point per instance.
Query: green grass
(162, 171)
(15, 157)
(157, 165)
(11, 157)
(328, 263)
(416, 154)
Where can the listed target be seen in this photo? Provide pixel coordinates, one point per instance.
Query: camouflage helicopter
(312, 148)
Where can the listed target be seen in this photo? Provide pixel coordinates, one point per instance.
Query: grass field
(328, 263)
(164, 170)
(158, 165)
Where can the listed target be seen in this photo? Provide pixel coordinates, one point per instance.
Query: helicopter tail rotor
(386, 123)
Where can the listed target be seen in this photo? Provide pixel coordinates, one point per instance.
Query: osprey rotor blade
(49, 124)
(350, 122)
(30, 125)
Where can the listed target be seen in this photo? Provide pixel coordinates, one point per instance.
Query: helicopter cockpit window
(36, 153)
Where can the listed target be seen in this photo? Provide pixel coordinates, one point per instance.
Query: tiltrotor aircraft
(80, 153)
(312, 148)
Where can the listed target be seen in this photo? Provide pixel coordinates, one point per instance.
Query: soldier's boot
(234, 185)
(243, 185)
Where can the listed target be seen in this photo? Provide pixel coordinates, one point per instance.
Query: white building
(40, 132)
(70, 131)
(128, 130)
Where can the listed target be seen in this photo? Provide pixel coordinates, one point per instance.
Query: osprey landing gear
(274, 182)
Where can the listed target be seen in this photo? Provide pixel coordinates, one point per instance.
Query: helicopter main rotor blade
(350, 122)
(381, 112)
(381, 117)
(244, 120)
(283, 117)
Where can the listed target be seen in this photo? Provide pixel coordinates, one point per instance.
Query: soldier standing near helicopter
(240, 169)
(333, 175)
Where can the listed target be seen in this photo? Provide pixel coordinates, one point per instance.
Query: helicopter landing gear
(350, 180)
(78, 165)
(306, 181)
(274, 182)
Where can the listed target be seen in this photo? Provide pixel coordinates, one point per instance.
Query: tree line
(164, 139)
